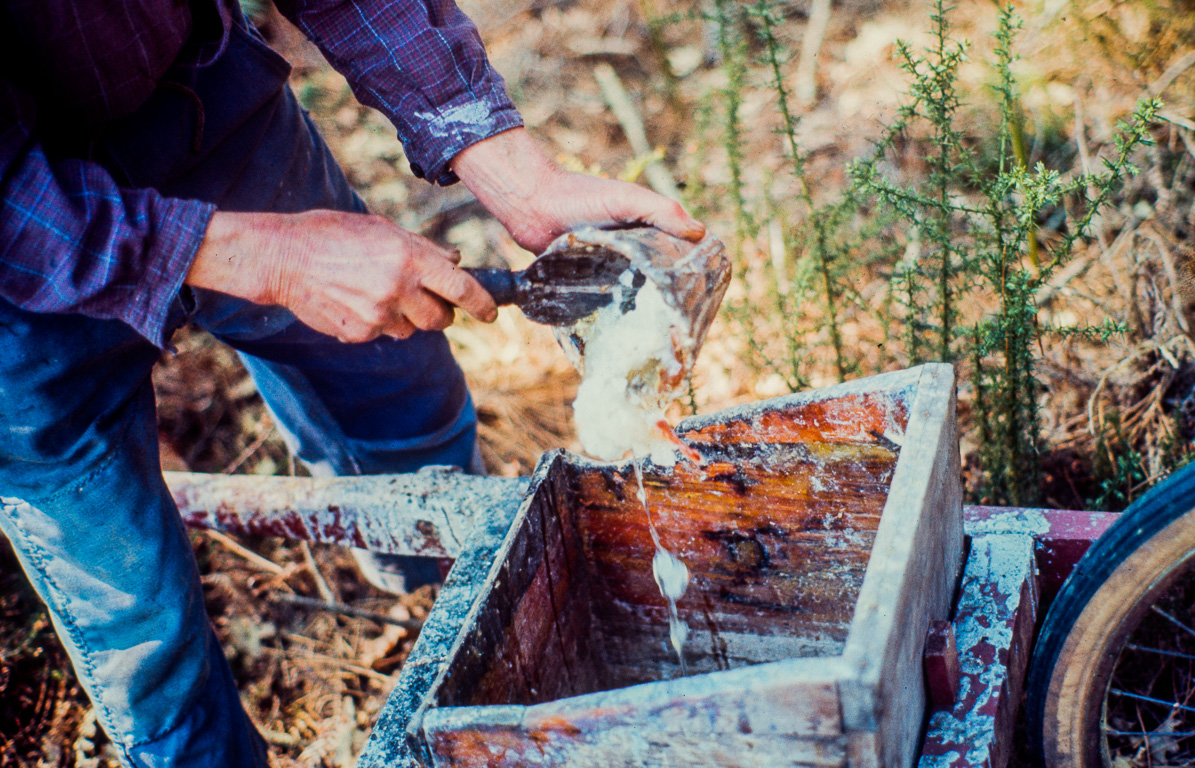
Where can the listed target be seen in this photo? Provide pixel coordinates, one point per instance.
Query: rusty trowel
(559, 288)
(579, 272)
(584, 270)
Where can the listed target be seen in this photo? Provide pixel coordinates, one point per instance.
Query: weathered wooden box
(822, 535)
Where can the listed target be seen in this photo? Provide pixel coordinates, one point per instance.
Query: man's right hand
(349, 275)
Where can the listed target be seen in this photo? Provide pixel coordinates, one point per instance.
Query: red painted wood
(994, 622)
(1062, 536)
(941, 664)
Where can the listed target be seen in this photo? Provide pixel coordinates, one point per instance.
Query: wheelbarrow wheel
(1112, 679)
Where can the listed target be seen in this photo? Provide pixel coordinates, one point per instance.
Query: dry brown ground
(313, 681)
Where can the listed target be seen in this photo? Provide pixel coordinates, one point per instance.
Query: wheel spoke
(1151, 700)
(1160, 651)
(1156, 734)
(1172, 620)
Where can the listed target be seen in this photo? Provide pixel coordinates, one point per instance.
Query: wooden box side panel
(783, 714)
(396, 740)
(776, 536)
(994, 622)
(506, 748)
(910, 581)
(528, 638)
(852, 412)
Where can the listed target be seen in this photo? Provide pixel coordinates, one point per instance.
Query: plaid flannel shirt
(72, 240)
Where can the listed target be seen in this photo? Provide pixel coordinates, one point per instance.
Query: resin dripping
(672, 577)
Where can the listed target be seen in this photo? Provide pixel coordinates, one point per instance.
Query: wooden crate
(822, 535)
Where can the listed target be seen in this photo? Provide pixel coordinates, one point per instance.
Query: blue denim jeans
(81, 492)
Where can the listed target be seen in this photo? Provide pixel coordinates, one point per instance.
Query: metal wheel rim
(1181, 571)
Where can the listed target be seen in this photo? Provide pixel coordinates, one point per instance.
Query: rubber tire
(1101, 602)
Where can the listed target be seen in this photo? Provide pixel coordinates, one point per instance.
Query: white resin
(629, 361)
(622, 395)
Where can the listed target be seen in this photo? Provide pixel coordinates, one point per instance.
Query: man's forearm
(349, 275)
(73, 241)
(239, 256)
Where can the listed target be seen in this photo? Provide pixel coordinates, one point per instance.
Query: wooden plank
(850, 419)
(479, 641)
(388, 745)
(519, 645)
(850, 412)
(910, 580)
(1063, 536)
(428, 512)
(776, 534)
(784, 714)
(996, 614)
(781, 553)
(630, 660)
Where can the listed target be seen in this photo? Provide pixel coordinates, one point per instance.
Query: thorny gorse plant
(964, 286)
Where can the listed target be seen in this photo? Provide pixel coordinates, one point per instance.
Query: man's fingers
(401, 328)
(671, 217)
(456, 286)
(660, 212)
(428, 312)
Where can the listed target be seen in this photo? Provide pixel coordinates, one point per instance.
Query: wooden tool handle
(500, 283)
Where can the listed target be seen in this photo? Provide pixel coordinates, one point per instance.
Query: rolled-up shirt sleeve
(419, 62)
(73, 241)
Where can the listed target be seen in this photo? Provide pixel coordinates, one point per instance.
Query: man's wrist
(239, 256)
(512, 177)
(508, 166)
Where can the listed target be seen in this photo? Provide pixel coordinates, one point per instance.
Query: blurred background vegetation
(1009, 187)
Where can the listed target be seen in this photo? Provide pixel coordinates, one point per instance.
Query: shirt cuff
(455, 127)
(181, 226)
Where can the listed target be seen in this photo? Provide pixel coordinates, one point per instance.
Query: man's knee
(42, 457)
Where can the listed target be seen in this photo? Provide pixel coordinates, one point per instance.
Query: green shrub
(964, 287)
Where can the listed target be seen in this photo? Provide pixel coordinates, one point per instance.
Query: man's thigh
(83, 502)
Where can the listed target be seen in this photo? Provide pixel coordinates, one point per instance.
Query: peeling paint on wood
(562, 657)
(747, 717)
(389, 744)
(1062, 536)
(994, 625)
(429, 512)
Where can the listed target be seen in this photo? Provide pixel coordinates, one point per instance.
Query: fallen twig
(412, 625)
(249, 555)
(319, 658)
(1176, 68)
(321, 583)
(251, 449)
(280, 739)
(1176, 289)
(658, 177)
(815, 32)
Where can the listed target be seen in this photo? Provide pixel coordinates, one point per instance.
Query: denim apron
(81, 492)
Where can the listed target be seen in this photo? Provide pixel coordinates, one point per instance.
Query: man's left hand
(537, 201)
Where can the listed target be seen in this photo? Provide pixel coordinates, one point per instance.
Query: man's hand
(537, 201)
(352, 276)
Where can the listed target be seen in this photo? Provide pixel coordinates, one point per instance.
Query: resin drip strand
(672, 577)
